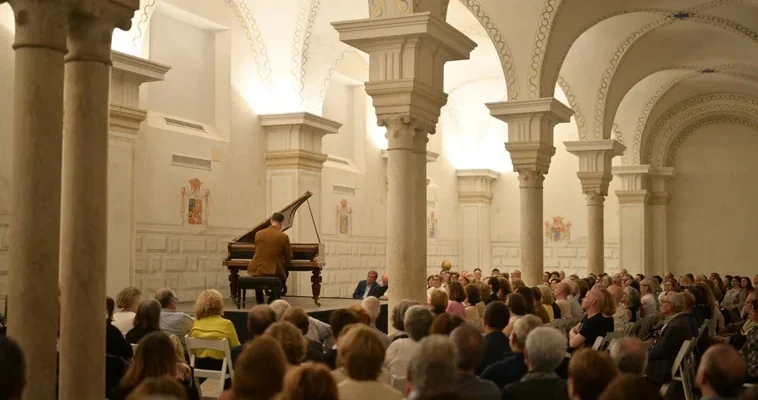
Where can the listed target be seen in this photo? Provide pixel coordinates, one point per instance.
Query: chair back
(222, 345)
(398, 382)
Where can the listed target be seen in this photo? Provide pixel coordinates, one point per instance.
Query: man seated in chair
(272, 251)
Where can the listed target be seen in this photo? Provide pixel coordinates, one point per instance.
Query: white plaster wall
(712, 210)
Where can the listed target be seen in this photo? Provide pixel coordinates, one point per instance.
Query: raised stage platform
(322, 313)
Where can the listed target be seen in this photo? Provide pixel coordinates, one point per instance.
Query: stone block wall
(571, 258)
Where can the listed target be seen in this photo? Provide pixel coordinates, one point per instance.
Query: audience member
(292, 341)
(496, 318)
(689, 308)
(517, 308)
(127, 302)
(397, 319)
(469, 351)
(13, 365)
(338, 320)
(512, 368)
(675, 331)
(297, 316)
(317, 331)
(209, 324)
(544, 350)
(630, 387)
(749, 350)
(630, 355)
(548, 302)
(621, 316)
(494, 286)
(147, 320)
(593, 325)
(309, 382)
(438, 302)
(632, 298)
(259, 318)
(115, 343)
(374, 308)
(361, 353)
(173, 322)
(431, 370)
(473, 298)
(259, 371)
(418, 321)
(456, 296)
(163, 388)
(721, 373)
(590, 371)
(562, 291)
(368, 287)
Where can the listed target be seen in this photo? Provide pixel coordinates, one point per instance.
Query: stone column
(294, 162)
(126, 118)
(40, 44)
(659, 202)
(595, 174)
(474, 198)
(84, 222)
(408, 48)
(530, 144)
(634, 217)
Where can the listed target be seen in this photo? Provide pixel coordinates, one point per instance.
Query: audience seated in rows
(544, 351)
(361, 353)
(589, 372)
(665, 347)
(146, 320)
(173, 322)
(417, 323)
(630, 355)
(469, 351)
(496, 318)
(512, 367)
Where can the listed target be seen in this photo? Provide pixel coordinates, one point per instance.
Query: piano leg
(233, 275)
(316, 286)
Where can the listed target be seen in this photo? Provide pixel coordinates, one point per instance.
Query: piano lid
(289, 217)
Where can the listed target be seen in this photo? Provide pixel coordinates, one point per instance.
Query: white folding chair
(675, 369)
(398, 382)
(609, 338)
(598, 343)
(222, 345)
(134, 347)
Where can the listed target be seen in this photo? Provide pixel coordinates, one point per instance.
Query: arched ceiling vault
(669, 154)
(656, 145)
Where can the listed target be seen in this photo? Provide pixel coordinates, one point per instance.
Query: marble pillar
(294, 162)
(40, 44)
(595, 174)
(659, 202)
(474, 200)
(530, 145)
(634, 217)
(84, 225)
(408, 51)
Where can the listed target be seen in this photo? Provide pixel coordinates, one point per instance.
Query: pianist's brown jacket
(272, 250)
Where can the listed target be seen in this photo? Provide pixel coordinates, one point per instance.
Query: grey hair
(279, 307)
(546, 295)
(545, 349)
(373, 306)
(630, 355)
(677, 301)
(418, 319)
(573, 287)
(469, 347)
(522, 327)
(398, 313)
(431, 366)
(632, 297)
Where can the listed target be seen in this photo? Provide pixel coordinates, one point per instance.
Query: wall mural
(557, 231)
(431, 223)
(195, 204)
(344, 218)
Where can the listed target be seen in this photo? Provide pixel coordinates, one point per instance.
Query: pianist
(272, 251)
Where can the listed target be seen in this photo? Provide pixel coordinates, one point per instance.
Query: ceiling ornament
(506, 59)
(540, 42)
(142, 26)
(581, 124)
(655, 143)
(617, 134)
(329, 75)
(673, 150)
(254, 38)
(306, 20)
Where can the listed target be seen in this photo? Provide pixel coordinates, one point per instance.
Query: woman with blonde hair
(127, 302)
(292, 341)
(209, 324)
(309, 382)
(361, 353)
(649, 301)
(438, 302)
(548, 301)
(259, 371)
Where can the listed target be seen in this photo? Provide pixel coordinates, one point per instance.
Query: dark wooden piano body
(305, 256)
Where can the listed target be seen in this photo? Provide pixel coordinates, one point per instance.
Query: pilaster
(634, 217)
(659, 201)
(474, 199)
(126, 117)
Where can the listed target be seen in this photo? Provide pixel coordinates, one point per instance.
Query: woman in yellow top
(209, 324)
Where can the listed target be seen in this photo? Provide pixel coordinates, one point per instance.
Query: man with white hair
(621, 318)
(469, 351)
(576, 307)
(374, 308)
(676, 329)
(544, 352)
(561, 293)
(630, 355)
(317, 331)
(431, 369)
(512, 368)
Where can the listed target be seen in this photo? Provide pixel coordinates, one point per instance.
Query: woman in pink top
(457, 296)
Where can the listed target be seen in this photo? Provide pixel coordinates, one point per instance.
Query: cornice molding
(295, 159)
(138, 69)
(126, 120)
(328, 126)
(475, 185)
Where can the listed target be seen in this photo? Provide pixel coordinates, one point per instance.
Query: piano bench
(263, 283)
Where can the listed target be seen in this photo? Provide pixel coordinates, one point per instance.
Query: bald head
(722, 372)
(630, 355)
(596, 300)
(616, 292)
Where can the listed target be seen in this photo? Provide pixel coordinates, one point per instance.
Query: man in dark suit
(272, 250)
(676, 329)
(369, 287)
(496, 347)
(545, 349)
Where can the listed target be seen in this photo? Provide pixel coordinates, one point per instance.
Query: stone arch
(672, 150)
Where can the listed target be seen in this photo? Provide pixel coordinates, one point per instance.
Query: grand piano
(305, 256)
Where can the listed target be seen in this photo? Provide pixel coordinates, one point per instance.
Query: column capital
(595, 197)
(397, 8)
(294, 140)
(41, 23)
(475, 185)
(530, 178)
(595, 158)
(660, 177)
(91, 27)
(408, 56)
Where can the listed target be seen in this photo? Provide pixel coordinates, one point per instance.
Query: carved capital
(404, 132)
(595, 198)
(530, 178)
(660, 198)
(42, 24)
(395, 8)
(91, 28)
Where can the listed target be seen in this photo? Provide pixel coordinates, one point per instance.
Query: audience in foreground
(544, 350)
